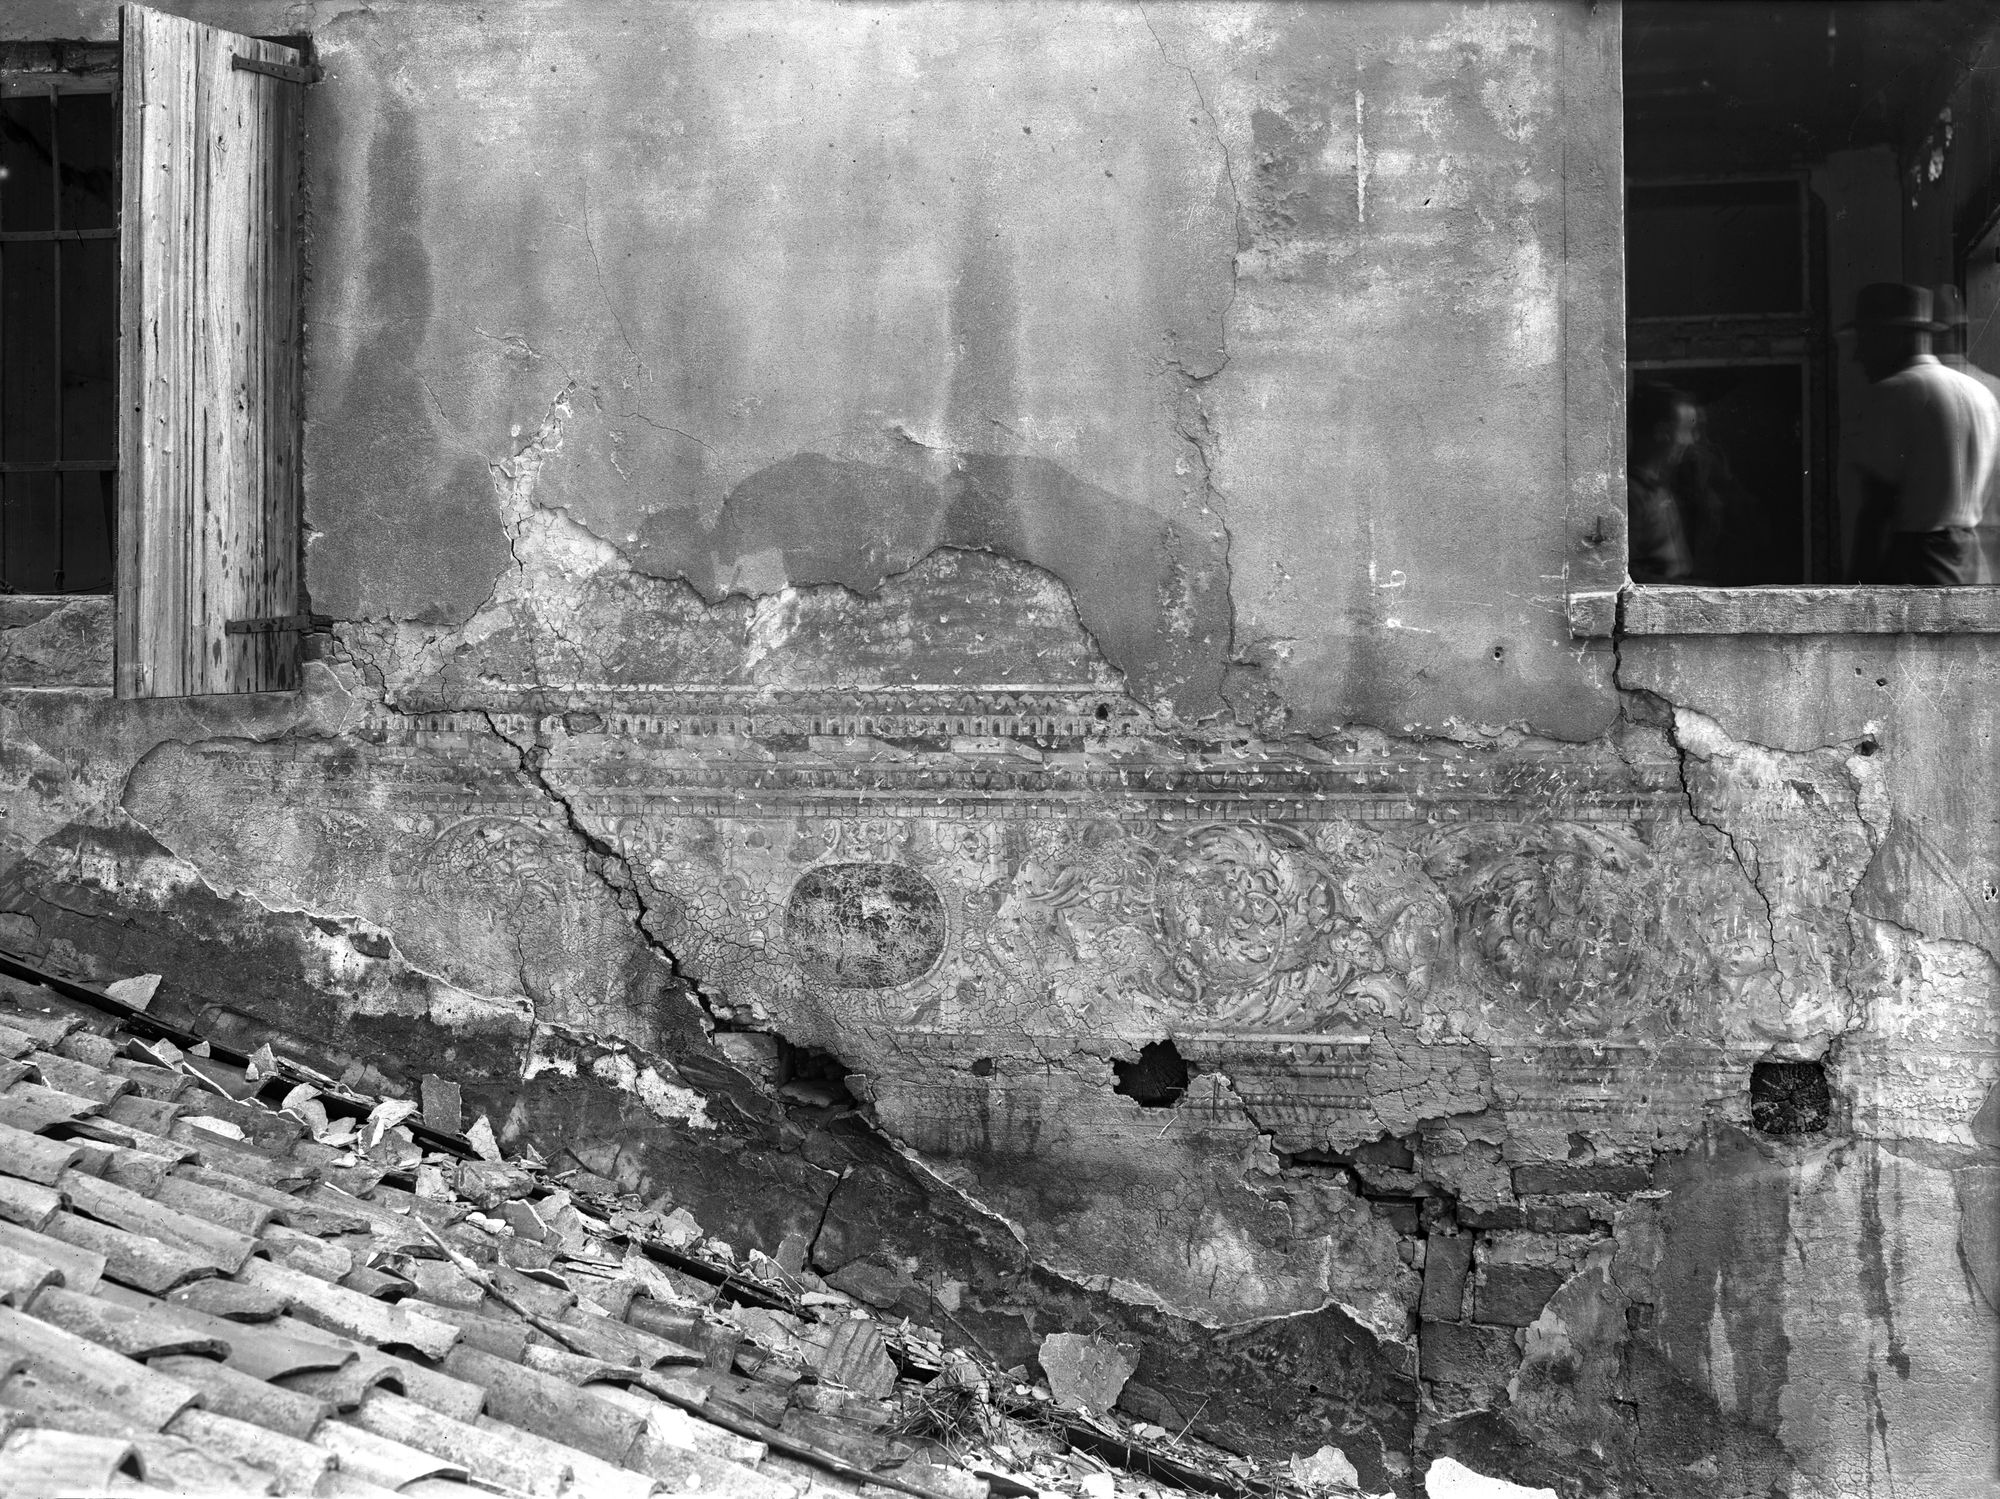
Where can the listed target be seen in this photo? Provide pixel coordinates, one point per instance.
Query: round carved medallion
(864, 926)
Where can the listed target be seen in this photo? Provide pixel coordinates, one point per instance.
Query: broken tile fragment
(1327, 1470)
(1086, 1373)
(443, 1105)
(852, 1353)
(1448, 1479)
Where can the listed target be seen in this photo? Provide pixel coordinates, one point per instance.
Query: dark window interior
(1778, 156)
(58, 327)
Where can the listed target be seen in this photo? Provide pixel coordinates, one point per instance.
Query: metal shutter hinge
(277, 624)
(290, 72)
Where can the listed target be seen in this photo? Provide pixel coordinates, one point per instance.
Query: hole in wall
(1866, 747)
(806, 1074)
(1157, 1080)
(982, 1067)
(1790, 1098)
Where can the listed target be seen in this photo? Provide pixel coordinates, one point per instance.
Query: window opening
(58, 318)
(1780, 157)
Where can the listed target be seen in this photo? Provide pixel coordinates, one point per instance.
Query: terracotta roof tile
(80, 1078)
(81, 1268)
(34, 1108)
(381, 1459)
(365, 1312)
(297, 1465)
(136, 1392)
(261, 1350)
(139, 1332)
(351, 1314)
(29, 1204)
(136, 1260)
(224, 1248)
(231, 1392)
(38, 1461)
(223, 1209)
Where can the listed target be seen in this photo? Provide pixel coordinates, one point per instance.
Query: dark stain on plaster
(1152, 593)
(407, 514)
(864, 926)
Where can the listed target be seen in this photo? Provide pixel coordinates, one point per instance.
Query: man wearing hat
(1930, 442)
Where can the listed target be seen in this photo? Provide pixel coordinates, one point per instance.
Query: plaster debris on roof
(227, 1274)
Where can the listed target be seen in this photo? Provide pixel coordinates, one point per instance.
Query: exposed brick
(1461, 1354)
(1544, 1180)
(1514, 1295)
(1447, 1258)
(1507, 1216)
(1558, 1218)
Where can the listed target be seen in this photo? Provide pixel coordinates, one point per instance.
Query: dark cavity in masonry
(1157, 1080)
(1790, 1098)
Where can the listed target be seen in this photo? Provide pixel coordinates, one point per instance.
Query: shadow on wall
(1154, 595)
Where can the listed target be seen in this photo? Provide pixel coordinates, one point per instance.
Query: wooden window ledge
(1658, 609)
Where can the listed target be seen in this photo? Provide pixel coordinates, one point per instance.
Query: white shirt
(1934, 434)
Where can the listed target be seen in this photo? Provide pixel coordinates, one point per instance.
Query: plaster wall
(976, 539)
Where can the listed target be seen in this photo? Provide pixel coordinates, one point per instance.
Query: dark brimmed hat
(1893, 304)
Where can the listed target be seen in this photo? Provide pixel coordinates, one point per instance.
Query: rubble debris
(308, 1304)
(1447, 1479)
(1086, 1373)
(137, 992)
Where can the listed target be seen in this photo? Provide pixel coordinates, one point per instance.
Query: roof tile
(121, 1207)
(146, 1398)
(224, 1209)
(23, 1275)
(228, 1299)
(62, 1462)
(136, 1170)
(547, 1405)
(441, 1391)
(181, 1466)
(138, 1332)
(81, 1269)
(381, 1459)
(297, 1465)
(261, 1350)
(306, 1253)
(34, 1108)
(72, 1076)
(493, 1454)
(29, 1204)
(350, 1313)
(231, 1392)
(154, 1115)
(32, 1157)
(136, 1260)
(291, 1211)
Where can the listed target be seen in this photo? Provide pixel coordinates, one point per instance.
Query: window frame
(1603, 603)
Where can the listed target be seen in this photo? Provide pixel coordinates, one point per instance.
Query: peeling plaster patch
(663, 1099)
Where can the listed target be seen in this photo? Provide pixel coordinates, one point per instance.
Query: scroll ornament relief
(1098, 926)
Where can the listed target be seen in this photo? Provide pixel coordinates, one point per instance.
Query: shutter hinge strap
(290, 72)
(277, 624)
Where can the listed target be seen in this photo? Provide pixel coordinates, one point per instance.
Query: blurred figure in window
(1930, 438)
(1952, 347)
(1663, 424)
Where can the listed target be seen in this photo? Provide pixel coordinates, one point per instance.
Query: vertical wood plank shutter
(209, 430)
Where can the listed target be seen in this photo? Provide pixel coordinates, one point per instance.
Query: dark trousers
(1937, 559)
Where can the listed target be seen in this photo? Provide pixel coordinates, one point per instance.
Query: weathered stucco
(942, 546)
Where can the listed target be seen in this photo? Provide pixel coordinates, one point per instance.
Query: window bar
(55, 250)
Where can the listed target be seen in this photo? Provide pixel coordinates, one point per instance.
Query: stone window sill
(1658, 609)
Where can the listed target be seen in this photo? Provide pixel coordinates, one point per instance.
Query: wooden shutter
(209, 430)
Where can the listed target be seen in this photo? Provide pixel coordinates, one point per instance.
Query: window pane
(86, 550)
(1714, 248)
(29, 509)
(90, 348)
(26, 192)
(28, 426)
(88, 141)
